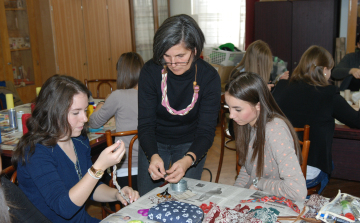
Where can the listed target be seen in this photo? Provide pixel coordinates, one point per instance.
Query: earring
(325, 74)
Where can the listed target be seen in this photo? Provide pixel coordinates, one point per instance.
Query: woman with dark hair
(53, 161)
(268, 146)
(308, 98)
(123, 103)
(179, 101)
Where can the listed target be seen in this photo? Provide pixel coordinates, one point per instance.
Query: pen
(100, 133)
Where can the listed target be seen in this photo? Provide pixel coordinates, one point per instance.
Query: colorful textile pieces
(157, 200)
(315, 203)
(266, 215)
(275, 199)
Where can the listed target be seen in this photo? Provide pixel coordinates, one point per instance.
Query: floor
(228, 173)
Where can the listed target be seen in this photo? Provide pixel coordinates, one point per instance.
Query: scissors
(143, 212)
(164, 194)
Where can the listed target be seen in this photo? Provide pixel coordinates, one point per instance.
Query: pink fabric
(165, 101)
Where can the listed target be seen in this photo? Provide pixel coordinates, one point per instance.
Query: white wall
(180, 7)
(344, 11)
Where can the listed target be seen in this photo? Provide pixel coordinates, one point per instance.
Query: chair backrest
(305, 143)
(109, 142)
(10, 171)
(99, 83)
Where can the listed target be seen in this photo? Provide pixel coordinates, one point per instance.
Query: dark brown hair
(175, 30)
(311, 66)
(49, 120)
(128, 70)
(250, 87)
(257, 59)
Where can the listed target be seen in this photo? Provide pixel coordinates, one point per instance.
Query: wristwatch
(192, 157)
(97, 173)
(255, 182)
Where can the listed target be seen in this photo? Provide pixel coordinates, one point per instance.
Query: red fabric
(24, 118)
(32, 107)
(250, 22)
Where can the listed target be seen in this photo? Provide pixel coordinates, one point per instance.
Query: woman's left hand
(252, 187)
(178, 170)
(132, 194)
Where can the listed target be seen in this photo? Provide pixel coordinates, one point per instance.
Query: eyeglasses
(176, 63)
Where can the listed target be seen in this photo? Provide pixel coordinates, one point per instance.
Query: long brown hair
(257, 59)
(128, 70)
(49, 120)
(251, 88)
(311, 66)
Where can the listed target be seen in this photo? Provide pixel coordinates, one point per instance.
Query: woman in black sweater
(307, 98)
(179, 101)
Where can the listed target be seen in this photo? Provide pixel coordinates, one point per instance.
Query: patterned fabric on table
(176, 211)
(315, 203)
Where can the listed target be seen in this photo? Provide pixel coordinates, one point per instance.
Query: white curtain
(221, 21)
(144, 28)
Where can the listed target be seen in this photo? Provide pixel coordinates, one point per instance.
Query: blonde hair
(257, 59)
(311, 66)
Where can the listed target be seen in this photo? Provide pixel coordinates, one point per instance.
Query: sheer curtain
(221, 22)
(144, 27)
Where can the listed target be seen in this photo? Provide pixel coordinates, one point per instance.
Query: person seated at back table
(123, 103)
(53, 161)
(348, 70)
(268, 146)
(308, 98)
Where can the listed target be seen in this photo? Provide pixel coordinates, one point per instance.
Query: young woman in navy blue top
(53, 159)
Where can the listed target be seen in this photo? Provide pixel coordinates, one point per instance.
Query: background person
(123, 103)
(179, 101)
(308, 98)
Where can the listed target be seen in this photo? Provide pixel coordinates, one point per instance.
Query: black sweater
(156, 124)
(341, 71)
(316, 106)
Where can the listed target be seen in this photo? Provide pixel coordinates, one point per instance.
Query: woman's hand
(108, 157)
(132, 194)
(178, 169)
(270, 86)
(156, 167)
(285, 75)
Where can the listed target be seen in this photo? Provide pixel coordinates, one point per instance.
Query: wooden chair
(99, 83)
(305, 154)
(225, 136)
(109, 140)
(10, 171)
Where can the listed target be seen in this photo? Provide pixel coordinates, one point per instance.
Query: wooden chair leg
(222, 146)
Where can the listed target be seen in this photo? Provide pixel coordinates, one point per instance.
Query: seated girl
(268, 146)
(123, 103)
(308, 98)
(54, 166)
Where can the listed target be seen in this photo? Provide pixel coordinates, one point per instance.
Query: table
(346, 153)
(229, 196)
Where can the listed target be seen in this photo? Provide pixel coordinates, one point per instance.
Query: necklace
(77, 164)
(165, 100)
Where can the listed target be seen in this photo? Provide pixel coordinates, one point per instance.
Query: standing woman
(123, 103)
(268, 146)
(53, 161)
(308, 99)
(179, 101)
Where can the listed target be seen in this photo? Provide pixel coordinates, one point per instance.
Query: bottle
(90, 109)
(14, 72)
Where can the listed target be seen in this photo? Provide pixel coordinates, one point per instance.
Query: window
(221, 22)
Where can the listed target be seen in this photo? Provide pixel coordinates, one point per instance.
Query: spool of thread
(19, 115)
(90, 109)
(38, 91)
(9, 101)
(181, 186)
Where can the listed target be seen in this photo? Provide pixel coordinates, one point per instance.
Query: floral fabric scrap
(275, 199)
(157, 200)
(176, 211)
(315, 203)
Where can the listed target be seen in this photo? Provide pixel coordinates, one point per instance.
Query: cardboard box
(224, 72)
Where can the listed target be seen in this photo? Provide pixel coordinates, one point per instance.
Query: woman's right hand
(156, 167)
(108, 157)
